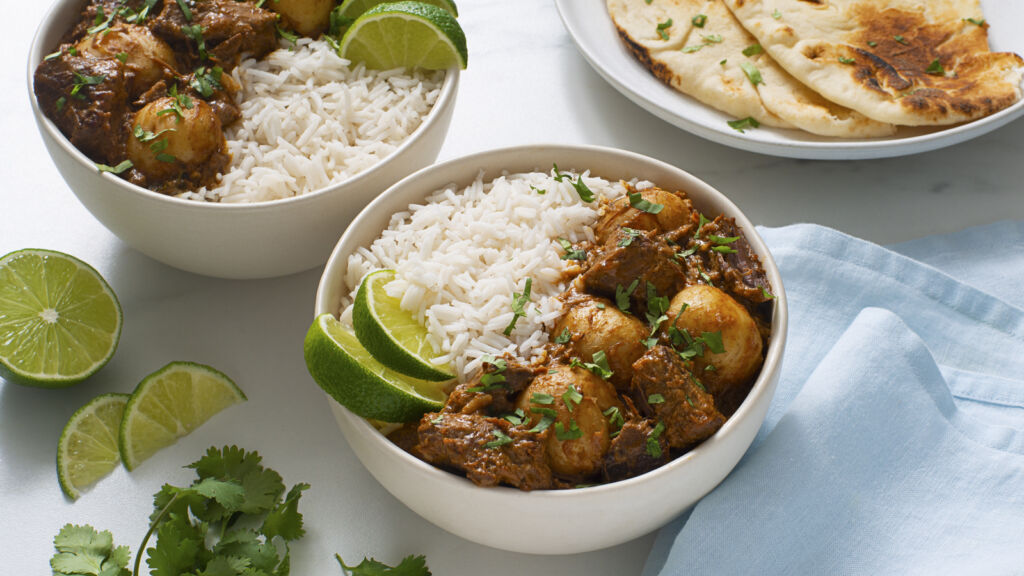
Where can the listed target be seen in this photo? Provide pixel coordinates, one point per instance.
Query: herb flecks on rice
(462, 256)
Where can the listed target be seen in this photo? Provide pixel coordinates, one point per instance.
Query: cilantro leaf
(285, 520)
(581, 188)
(83, 551)
(409, 566)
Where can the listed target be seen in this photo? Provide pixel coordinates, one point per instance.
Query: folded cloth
(895, 442)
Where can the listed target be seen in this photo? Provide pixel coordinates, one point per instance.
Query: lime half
(350, 375)
(59, 320)
(392, 335)
(170, 403)
(405, 34)
(87, 450)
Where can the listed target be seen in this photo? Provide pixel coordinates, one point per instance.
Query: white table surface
(526, 83)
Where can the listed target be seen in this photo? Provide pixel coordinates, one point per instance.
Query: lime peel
(348, 373)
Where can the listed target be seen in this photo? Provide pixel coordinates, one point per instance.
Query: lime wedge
(349, 10)
(405, 34)
(170, 403)
(390, 334)
(59, 320)
(87, 450)
(350, 375)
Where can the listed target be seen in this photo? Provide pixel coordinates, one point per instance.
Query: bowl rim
(449, 90)
(474, 164)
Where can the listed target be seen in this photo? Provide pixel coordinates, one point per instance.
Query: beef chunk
(645, 258)
(739, 273)
(86, 99)
(636, 450)
(460, 442)
(685, 407)
(496, 398)
(229, 29)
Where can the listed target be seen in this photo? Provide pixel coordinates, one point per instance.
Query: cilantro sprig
(409, 566)
(235, 518)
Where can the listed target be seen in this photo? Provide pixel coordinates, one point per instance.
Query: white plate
(590, 27)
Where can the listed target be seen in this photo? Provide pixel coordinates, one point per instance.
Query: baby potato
(675, 212)
(595, 329)
(169, 138)
(579, 457)
(307, 17)
(147, 59)
(712, 310)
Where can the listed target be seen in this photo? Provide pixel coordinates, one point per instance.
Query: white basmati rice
(459, 257)
(309, 120)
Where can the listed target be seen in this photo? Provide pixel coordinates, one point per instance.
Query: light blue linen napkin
(895, 442)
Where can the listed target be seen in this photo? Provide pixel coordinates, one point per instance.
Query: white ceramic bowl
(256, 240)
(556, 521)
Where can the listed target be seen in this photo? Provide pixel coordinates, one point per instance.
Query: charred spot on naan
(643, 54)
(896, 52)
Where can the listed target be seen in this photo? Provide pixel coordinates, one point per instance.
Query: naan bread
(706, 63)
(912, 62)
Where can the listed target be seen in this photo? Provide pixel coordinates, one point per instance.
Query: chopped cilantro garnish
(776, 14)
(540, 191)
(766, 294)
(975, 21)
(753, 49)
(437, 419)
(636, 200)
(723, 61)
(712, 39)
(662, 26)
(291, 37)
(656, 305)
(899, 39)
(570, 252)
(516, 418)
(572, 398)
(500, 439)
(53, 55)
(165, 157)
(183, 5)
(565, 336)
(845, 60)
(655, 399)
(60, 103)
(146, 136)
(935, 68)
(541, 398)
(572, 433)
(652, 446)
(82, 80)
(194, 32)
(519, 301)
(872, 43)
(206, 80)
(744, 123)
(753, 74)
(622, 294)
(121, 167)
(614, 416)
(699, 20)
(101, 22)
(713, 340)
(692, 48)
(628, 234)
(581, 188)
(547, 418)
